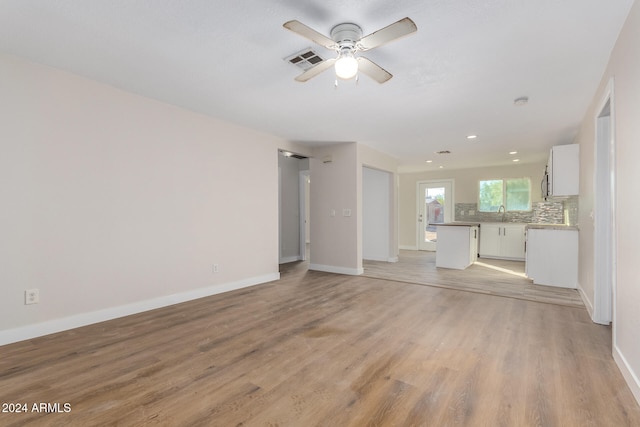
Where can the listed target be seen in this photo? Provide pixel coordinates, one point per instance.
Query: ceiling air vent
(443, 152)
(294, 155)
(304, 59)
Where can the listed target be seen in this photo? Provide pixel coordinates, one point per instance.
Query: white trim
(58, 325)
(302, 186)
(291, 258)
(408, 247)
(614, 228)
(605, 241)
(585, 299)
(279, 208)
(376, 258)
(383, 259)
(336, 269)
(630, 377)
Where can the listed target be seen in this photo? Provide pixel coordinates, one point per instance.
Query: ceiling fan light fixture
(347, 65)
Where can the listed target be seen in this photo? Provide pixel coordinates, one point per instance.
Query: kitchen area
(545, 238)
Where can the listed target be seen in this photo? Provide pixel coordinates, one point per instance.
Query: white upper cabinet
(563, 171)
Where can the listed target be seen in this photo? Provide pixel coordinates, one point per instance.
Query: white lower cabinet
(500, 240)
(552, 257)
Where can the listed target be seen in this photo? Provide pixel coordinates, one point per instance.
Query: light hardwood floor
(324, 349)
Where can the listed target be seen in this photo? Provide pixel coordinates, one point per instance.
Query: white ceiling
(458, 75)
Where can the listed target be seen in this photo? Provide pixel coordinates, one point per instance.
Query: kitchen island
(457, 245)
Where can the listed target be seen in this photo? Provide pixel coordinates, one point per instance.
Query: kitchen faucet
(504, 211)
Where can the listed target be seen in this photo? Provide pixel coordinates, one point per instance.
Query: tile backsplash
(549, 212)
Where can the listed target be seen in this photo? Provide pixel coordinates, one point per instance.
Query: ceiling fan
(346, 39)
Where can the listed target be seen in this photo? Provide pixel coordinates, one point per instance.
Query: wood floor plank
(320, 349)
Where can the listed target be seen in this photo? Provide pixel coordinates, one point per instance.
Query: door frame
(605, 258)
(304, 212)
(450, 211)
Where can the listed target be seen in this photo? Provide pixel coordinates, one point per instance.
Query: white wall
(624, 68)
(334, 187)
(114, 203)
(376, 210)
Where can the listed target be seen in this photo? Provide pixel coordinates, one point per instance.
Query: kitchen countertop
(552, 226)
(527, 225)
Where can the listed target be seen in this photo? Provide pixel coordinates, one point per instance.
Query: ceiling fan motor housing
(346, 34)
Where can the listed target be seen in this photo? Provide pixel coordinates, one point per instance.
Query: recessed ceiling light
(441, 167)
(429, 161)
(516, 160)
(513, 152)
(519, 102)
(472, 136)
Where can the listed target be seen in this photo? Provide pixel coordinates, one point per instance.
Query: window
(513, 194)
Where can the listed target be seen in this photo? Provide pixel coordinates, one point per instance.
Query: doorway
(435, 205)
(293, 177)
(604, 208)
(377, 206)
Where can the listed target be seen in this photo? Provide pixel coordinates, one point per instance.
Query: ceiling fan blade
(309, 33)
(389, 33)
(373, 70)
(312, 72)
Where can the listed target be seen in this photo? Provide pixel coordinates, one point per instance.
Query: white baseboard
(374, 258)
(287, 259)
(58, 325)
(628, 374)
(336, 269)
(383, 259)
(408, 248)
(587, 302)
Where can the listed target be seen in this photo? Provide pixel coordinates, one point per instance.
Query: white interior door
(435, 205)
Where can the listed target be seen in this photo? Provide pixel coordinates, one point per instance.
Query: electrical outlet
(31, 296)
(215, 268)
